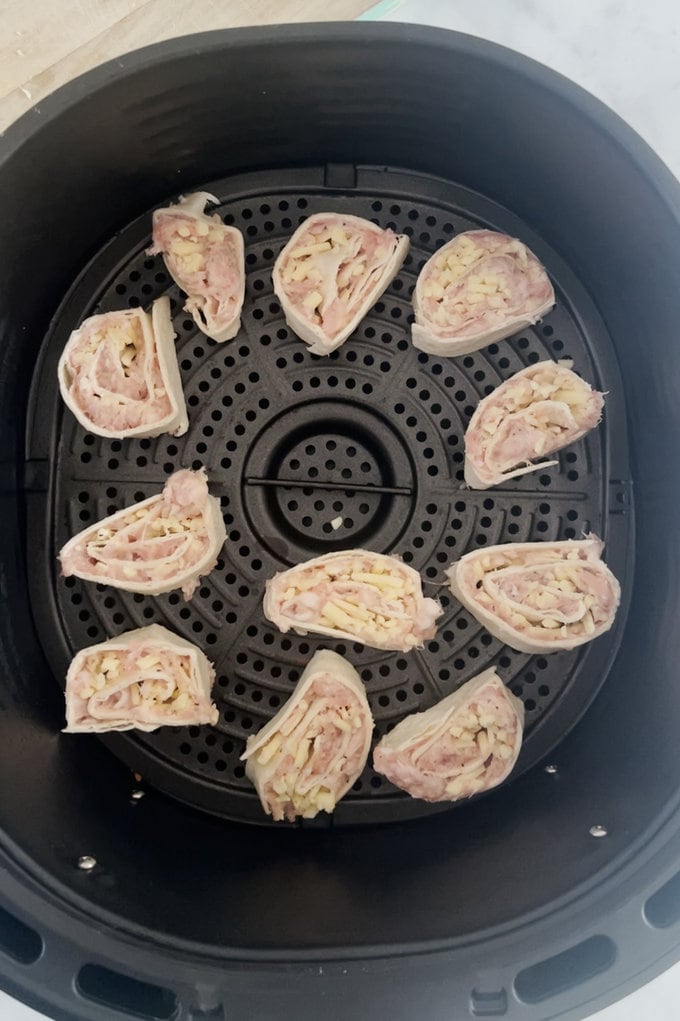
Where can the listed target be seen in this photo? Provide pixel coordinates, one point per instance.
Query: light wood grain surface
(45, 43)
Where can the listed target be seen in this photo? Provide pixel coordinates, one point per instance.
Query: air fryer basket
(372, 435)
(537, 901)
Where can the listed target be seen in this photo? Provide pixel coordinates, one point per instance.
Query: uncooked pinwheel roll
(463, 745)
(333, 269)
(479, 287)
(141, 680)
(536, 412)
(309, 755)
(539, 596)
(357, 595)
(119, 376)
(205, 258)
(160, 544)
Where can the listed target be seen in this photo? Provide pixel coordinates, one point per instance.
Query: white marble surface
(628, 54)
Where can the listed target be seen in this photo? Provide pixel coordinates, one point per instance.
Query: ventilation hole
(489, 1004)
(122, 993)
(18, 940)
(564, 971)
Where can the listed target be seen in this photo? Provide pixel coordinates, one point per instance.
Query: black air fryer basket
(140, 877)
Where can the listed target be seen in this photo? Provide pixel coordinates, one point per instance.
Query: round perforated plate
(370, 437)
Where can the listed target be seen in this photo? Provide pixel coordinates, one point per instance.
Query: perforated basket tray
(372, 434)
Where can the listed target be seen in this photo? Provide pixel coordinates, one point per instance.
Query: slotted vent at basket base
(369, 440)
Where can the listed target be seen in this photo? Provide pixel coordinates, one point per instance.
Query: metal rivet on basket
(551, 769)
(598, 831)
(86, 862)
(137, 794)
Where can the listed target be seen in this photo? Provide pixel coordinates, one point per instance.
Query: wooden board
(46, 43)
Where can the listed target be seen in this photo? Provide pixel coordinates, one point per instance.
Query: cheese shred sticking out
(357, 595)
(206, 259)
(160, 544)
(119, 376)
(478, 288)
(463, 745)
(539, 596)
(333, 269)
(141, 680)
(309, 755)
(537, 411)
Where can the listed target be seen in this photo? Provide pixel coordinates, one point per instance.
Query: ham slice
(478, 288)
(309, 755)
(539, 596)
(333, 269)
(463, 745)
(206, 259)
(142, 680)
(537, 411)
(119, 376)
(160, 544)
(357, 595)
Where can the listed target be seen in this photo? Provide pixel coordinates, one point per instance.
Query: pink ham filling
(114, 703)
(112, 395)
(336, 756)
(525, 281)
(411, 616)
(425, 767)
(338, 309)
(185, 493)
(214, 291)
(154, 557)
(527, 427)
(533, 591)
(522, 591)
